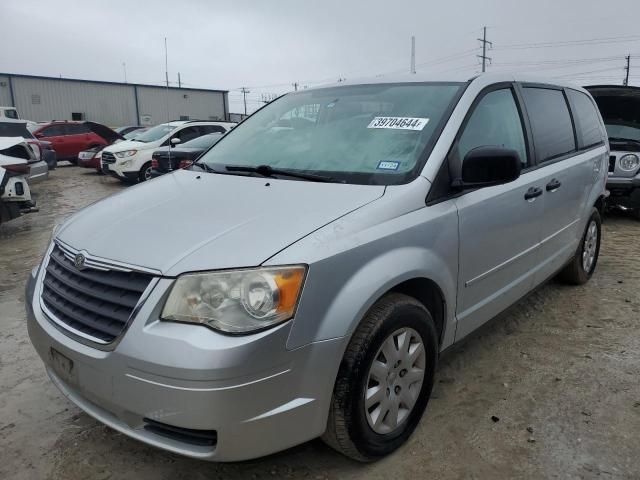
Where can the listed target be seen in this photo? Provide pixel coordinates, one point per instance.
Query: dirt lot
(559, 373)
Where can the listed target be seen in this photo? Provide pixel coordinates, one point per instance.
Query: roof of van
(454, 78)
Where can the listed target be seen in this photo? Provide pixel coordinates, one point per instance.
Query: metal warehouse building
(111, 103)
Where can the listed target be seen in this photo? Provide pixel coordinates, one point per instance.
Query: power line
(565, 43)
(484, 42)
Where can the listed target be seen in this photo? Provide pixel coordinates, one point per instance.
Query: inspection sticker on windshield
(388, 165)
(399, 123)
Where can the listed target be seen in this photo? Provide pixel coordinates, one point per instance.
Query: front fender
(353, 273)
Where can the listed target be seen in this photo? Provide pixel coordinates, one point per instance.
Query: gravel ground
(548, 390)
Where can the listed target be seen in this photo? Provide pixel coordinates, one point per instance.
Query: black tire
(143, 176)
(574, 273)
(348, 430)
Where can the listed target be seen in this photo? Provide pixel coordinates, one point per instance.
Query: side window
(77, 128)
(495, 121)
(53, 131)
(587, 121)
(550, 122)
(188, 133)
(212, 129)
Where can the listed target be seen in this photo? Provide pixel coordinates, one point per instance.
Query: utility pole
(627, 68)
(413, 54)
(295, 86)
(484, 42)
(124, 67)
(244, 97)
(179, 82)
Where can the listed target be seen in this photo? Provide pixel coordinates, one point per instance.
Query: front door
(499, 226)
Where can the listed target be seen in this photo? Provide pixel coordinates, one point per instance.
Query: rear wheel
(145, 172)
(384, 381)
(583, 264)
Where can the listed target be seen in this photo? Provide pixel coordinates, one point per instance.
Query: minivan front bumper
(167, 384)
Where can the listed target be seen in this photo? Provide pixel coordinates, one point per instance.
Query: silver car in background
(303, 276)
(620, 110)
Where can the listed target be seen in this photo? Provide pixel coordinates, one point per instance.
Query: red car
(69, 138)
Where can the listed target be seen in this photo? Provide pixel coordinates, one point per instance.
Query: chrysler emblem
(79, 261)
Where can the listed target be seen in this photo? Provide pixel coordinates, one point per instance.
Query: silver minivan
(303, 276)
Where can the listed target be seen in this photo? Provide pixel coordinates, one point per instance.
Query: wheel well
(600, 204)
(429, 294)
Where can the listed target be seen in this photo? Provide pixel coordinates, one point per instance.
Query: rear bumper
(257, 397)
(39, 171)
(89, 163)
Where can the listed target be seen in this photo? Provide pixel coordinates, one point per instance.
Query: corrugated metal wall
(5, 92)
(45, 99)
(197, 105)
(42, 99)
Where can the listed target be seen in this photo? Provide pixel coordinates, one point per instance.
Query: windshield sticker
(388, 165)
(399, 123)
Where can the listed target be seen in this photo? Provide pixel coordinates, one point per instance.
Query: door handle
(532, 194)
(553, 185)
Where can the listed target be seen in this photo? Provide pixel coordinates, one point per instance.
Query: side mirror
(487, 166)
(175, 141)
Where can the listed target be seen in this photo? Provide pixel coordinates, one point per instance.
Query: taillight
(154, 163)
(185, 163)
(18, 168)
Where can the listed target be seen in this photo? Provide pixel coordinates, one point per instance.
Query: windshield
(135, 133)
(367, 134)
(205, 141)
(10, 113)
(155, 133)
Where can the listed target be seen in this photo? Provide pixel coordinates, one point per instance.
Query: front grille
(95, 302)
(612, 163)
(108, 157)
(204, 438)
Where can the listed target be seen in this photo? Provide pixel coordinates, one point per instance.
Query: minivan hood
(190, 221)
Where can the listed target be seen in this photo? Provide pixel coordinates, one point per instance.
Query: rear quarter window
(550, 122)
(587, 120)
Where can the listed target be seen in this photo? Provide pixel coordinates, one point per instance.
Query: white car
(15, 195)
(130, 160)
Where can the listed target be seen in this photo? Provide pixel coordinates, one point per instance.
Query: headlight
(126, 153)
(629, 162)
(236, 301)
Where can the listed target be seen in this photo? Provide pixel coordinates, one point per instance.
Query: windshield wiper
(268, 171)
(204, 167)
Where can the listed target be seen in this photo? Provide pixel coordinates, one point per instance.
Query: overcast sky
(268, 45)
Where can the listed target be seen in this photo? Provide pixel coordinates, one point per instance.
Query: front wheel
(385, 379)
(583, 264)
(145, 172)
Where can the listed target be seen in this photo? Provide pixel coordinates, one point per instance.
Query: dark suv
(70, 138)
